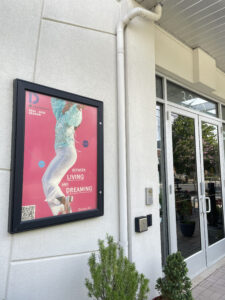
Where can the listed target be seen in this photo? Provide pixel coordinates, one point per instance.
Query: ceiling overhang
(196, 23)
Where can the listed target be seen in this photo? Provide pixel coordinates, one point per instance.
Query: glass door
(212, 187)
(196, 210)
(185, 202)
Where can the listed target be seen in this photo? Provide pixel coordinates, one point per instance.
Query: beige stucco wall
(68, 45)
(192, 67)
(71, 45)
(145, 248)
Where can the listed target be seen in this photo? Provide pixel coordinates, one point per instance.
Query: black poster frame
(17, 161)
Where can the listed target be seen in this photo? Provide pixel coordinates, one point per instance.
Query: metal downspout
(123, 205)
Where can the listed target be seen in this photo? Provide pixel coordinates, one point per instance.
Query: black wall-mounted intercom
(142, 223)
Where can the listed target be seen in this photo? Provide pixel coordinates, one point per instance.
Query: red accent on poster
(60, 157)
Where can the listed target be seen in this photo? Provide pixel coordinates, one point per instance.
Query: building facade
(174, 140)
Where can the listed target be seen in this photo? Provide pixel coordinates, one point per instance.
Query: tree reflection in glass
(212, 179)
(162, 192)
(186, 185)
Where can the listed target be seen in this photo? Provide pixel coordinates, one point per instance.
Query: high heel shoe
(56, 207)
(67, 207)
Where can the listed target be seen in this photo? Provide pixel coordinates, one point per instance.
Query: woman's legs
(58, 167)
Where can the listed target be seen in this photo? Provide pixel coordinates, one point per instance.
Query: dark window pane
(162, 193)
(224, 141)
(223, 112)
(159, 87)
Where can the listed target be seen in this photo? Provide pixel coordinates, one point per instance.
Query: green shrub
(176, 285)
(114, 277)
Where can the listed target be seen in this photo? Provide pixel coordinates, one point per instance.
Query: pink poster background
(81, 180)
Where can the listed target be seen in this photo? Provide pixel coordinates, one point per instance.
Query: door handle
(209, 204)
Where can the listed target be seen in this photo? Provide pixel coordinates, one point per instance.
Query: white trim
(196, 112)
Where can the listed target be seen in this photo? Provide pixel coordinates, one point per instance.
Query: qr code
(28, 212)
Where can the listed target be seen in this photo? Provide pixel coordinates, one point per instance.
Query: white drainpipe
(149, 15)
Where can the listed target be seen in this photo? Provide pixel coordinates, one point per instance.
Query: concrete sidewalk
(210, 285)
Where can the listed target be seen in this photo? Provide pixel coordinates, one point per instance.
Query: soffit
(197, 23)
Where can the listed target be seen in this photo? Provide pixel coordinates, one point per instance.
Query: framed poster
(57, 157)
